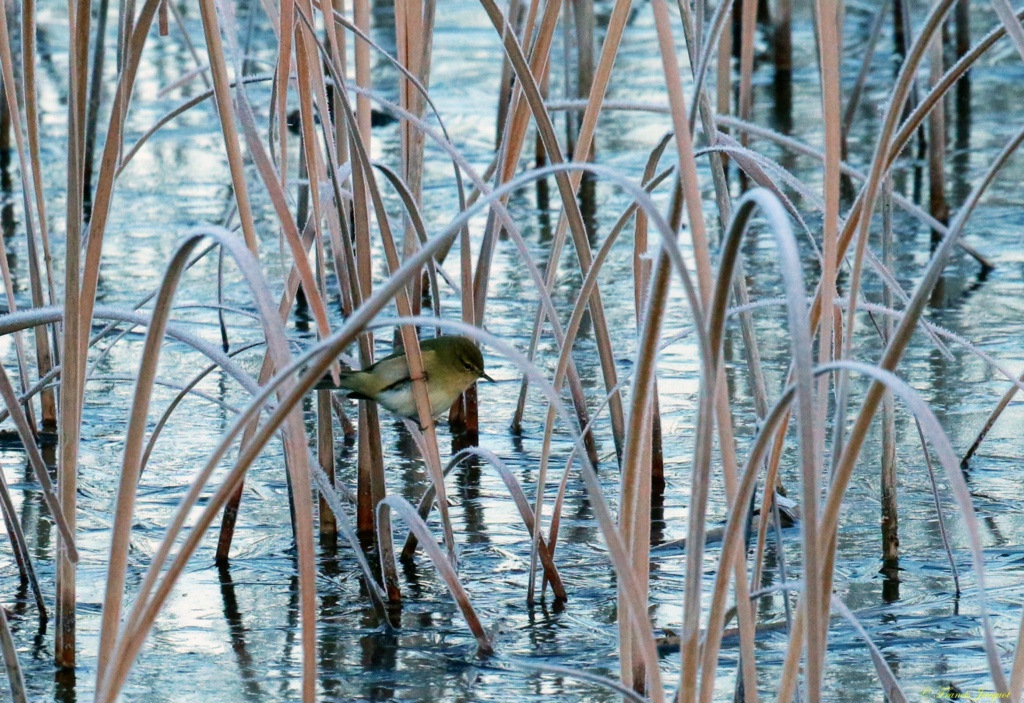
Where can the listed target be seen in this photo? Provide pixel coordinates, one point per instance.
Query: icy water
(232, 635)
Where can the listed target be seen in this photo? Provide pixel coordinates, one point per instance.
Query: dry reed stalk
(306, 55)
(30, 96)
(10, 654)
(722, 409)
(10, 99)
(339, 48)
(75, 332)
(325, 456)
(937, 205)
(284, 24)
(19, 341)
(96, 93)
(768, 508)
(230, 516)
(635, 512)
(184, 107)
(173, 385)
(218, 69)
(567, 672)
(414, 36)
(890, 686)
(201, 68)
(938, 508)
(572, 329)
(125, 24)
(31, 177)
(890, 507)
(954, 74)
(584, 23)
(20, 548)
(419, 229)
(81, 281)
(65, 527)
(413, 120)
(361, 19)
(5, 139)
(642, 266)
(1013, 29)
(278, 197)
(723, 73)
(865, 67)
(993, 416)
(1017, 672)
(55, 314)
(962, 42)
(829, 34)
(308, 71)
(516, 16)
(748, 27)
(371, 482)
(782, 38)
(467, 407)
(750, 346)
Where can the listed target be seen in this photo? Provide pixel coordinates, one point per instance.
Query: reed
(364, 236)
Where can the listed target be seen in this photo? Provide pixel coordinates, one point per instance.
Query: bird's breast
(401, 401)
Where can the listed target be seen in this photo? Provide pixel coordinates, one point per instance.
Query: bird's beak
(486, 377)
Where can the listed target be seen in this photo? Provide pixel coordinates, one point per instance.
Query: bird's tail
(352, 381)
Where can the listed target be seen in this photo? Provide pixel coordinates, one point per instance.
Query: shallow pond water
(232, 635)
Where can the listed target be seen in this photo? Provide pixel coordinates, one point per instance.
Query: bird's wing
(393, 371)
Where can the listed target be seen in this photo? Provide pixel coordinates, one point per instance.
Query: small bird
(451, 364)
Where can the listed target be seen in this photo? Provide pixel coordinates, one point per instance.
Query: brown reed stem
(782, 38)
(95, 96)
(15, 679)
(938, 206)
(325, 454)
(890, 507)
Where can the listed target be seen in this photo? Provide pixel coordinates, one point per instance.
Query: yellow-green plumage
(451, 365)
